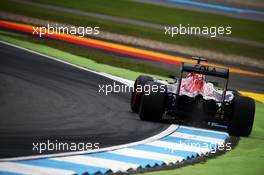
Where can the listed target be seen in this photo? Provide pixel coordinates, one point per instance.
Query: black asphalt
(42, 99)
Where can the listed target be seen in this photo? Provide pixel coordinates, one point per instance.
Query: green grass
(164, 15)
(246, 158)
(105, 25)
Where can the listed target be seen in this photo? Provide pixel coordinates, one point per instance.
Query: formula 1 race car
(191, 98)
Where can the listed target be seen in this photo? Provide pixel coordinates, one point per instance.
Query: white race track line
(114, 165)
(164, 133)
(30, 169)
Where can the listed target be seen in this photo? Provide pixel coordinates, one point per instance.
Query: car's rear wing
(206, 70)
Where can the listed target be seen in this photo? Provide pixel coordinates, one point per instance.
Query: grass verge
(110, 26)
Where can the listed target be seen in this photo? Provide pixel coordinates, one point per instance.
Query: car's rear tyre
(153, 104)
(242, 119)
(136, 96)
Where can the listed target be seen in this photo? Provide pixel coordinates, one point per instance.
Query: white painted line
(162, 134)
(148, 155)
(114, 165)
(198, 138)
(173, 147)
(31, 169)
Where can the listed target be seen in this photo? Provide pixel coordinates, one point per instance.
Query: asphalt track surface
(44, 99)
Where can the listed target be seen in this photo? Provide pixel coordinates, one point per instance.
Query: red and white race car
(194, 99)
